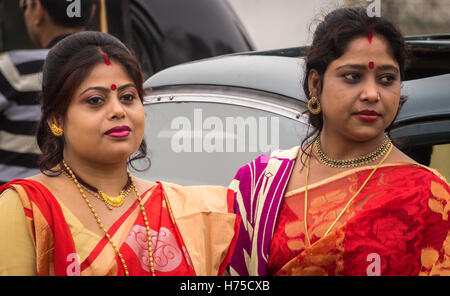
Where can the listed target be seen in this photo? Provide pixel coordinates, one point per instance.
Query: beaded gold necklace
(354, 162)
(100, 224)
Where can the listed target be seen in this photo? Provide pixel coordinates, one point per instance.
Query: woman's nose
(370, 92)
(117, 109)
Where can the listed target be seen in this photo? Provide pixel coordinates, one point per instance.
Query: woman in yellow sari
(85, 214)
(347, 202)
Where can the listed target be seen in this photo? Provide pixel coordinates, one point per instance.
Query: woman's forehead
(113, 72)
(366, 50)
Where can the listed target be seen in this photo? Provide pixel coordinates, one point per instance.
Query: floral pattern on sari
(391, 229)
(167, 255)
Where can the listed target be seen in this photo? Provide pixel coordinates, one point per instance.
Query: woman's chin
(116, 156)
(366, 135)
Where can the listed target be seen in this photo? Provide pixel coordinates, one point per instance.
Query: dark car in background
(207, 118)
(162, 33)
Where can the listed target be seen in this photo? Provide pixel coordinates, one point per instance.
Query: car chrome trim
(229, 100)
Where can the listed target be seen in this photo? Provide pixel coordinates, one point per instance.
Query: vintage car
(207, 118)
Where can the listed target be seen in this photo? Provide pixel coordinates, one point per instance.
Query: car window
(212, 136)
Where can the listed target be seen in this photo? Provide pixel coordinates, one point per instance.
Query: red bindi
(107, 61)
(369, 35)
(371, 65)
(113, 87)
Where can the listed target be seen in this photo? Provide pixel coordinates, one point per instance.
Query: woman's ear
(313, 82)
(55, 126)
(53, 120)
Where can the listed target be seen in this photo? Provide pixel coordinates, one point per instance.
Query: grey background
(274, 24)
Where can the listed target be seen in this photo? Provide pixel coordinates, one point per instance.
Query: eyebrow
(107, 89)
(364, 67)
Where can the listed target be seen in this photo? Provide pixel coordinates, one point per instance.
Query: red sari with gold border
(55, 248)
(397, 225)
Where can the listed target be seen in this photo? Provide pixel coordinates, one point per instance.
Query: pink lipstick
(119, 131)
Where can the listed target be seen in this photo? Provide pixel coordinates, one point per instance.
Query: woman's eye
(387, 79)
(94, 100)
(352, 77)
(128, 97)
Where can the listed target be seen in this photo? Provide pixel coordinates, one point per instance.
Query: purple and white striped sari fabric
(259, 188)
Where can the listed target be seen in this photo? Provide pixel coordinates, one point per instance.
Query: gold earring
(314, 102)
(56, 130)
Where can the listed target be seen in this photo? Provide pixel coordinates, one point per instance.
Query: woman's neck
(109, 178)
(339, 147)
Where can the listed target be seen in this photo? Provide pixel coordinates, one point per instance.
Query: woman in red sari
(85, 214)
(347, 202)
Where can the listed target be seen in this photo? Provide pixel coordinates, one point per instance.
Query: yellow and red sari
(184, 224)
(397, 225)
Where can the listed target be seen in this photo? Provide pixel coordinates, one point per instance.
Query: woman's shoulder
(425, 183)
(14, 196)
(398, 156)
(32, 190)
(434, 174)
(417, 175)
(8, 196)
(401, 161)
(413, 167)
(143, 184)
(17, 186)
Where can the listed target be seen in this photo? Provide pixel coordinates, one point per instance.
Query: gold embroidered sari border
(349, 172)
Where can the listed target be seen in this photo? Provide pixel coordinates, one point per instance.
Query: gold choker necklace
(113, 201)
(354, 162)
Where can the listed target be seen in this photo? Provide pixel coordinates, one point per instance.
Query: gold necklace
(100, 224)
(96, 195)
(110, 201)
(348, 203)
(113, 201)
(354, 162)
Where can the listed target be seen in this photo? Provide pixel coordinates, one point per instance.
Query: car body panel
(279, 75)
(427, 99)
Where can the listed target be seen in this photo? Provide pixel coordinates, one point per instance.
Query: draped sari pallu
(397, 225)
(55, 248)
